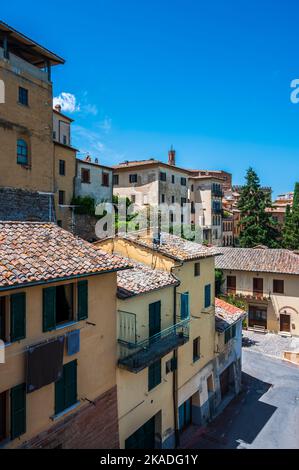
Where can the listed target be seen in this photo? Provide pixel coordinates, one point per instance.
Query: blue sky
(211, 78)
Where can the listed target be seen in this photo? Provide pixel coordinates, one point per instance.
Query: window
(197, 269)
(231, 284)
(59, 223)
(17, 317)
(3, 416)
(23, 96)
(171, 365)
(18, 411)
(154, 375)
(185, 309)
(278, 286)
(227, 335)
(22, 152)
(61, 197)
(105, 179)
(66, 388)
(192, 188)
(172, 199)
(54, 135)
(133, 198)
(183, 181)
(207, 295)
(116, 179)
(172, 179)
(258, 285)
(64, 140)
(162, 198)
(183, 201)
(162, 176)
(58, 305)
(3, 336)
(196, 349)
(133, 178)
(85, 175)
(62, 167)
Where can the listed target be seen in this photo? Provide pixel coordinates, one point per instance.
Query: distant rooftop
(172, 246)
(258, 260)
(27, 49)
(226, 315)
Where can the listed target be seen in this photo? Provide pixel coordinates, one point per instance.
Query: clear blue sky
(210, 77)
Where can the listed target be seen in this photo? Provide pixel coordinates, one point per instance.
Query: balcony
(246, 294)
(21, 67)
(217, 210)
(136, 356)
(217, 193)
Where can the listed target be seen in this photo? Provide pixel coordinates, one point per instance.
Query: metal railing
(136, 356)
(247, 293)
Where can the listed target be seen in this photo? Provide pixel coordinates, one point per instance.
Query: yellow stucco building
(58, 325)
(35, 152)
(164, 390)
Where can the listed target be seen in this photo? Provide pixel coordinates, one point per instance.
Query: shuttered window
(66, 388)
(227, 335)
(154, 374)
(49, 309)
(207, 295)
(185, 310)
(82, 300)
(18, 411)
(17, 317)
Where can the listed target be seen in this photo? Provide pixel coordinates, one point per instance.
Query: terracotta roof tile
(173, 246)
(141, 280)
(36, 252)
(258, 260)
(226, 314)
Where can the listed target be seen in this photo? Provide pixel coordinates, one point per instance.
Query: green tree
(291, 225)
(257, 225)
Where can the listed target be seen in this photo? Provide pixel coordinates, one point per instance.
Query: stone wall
(84, 227)
(95, 426)
(20, 204)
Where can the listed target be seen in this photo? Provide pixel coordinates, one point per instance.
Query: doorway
(285, 323)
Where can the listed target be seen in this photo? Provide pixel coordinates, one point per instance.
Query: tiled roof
(173, 247)
(226, 314)
(141, 280)
(149, 162)
(33, 252)
(258, 260)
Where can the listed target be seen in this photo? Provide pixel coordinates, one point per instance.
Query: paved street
(270, 344)
(264, 415)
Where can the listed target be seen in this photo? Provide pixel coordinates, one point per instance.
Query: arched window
(22, 152)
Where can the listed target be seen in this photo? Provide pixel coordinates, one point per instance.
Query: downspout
(175, 372)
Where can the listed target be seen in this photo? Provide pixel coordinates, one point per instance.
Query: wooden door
(154, 318)
(285, 322)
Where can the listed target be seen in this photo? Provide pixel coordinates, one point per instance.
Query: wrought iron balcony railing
(136, 356)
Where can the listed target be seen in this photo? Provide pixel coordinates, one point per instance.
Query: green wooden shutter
(185, 309)
(59, 395)
(49, 308)
(18, 410)
(17, 317)
(154, 374)
(207, 295)
(70, 373)
(82, 300)
(66, 388)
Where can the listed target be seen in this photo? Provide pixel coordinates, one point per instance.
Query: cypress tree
(291, 225)
(257, 225)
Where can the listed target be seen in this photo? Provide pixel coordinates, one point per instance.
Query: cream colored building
(268, 280)
(58, 323)
(187, 390)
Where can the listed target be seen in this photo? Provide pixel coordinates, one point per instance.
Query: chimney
(58, 108)
(171, 157)
(96, 161)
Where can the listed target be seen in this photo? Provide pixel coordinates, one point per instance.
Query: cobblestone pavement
(269, 343)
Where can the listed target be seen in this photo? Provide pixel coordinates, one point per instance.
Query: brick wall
(94, 426)
(19, 204)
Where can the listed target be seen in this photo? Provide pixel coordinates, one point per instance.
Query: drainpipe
(175, 372)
